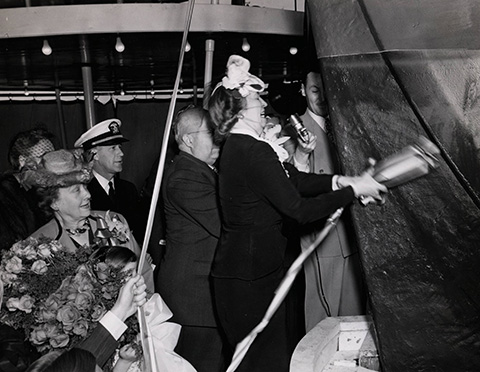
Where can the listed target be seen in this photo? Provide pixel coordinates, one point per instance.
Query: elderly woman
(257, 190)
(60, 179)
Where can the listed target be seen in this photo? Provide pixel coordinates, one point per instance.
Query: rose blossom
(80, 327)
(97, 312)
(42, 333)
(26, 304)
(84, 300)
(28, 251)
(8, 278)
(68, 315)
(12, 303)
(39, 267)
(38, 336)
(53, 302)
(14, 265)
(44, 250)
(44, 314)
(60, 340)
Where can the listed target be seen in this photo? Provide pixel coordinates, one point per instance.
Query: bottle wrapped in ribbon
(412, 162)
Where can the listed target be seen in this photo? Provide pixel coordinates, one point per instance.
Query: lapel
(200, 165)
(322, 161)
(100, 199)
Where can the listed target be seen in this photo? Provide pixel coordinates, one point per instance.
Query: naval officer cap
(105, 133)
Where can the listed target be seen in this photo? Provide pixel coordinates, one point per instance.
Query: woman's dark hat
(61, 168)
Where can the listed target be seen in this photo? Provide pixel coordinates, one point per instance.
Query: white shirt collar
(103, 181)
(320, 120)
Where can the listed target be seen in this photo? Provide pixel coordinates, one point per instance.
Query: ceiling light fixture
(285, 73)
(188, 47)
(46, 48)
(122, 92)
(25, 84)
(293, 50)
(245, 45)
(119, 46)
(152, 91)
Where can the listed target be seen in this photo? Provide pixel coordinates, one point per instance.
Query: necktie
(111, 191)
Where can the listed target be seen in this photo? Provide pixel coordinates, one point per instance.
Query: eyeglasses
(200, 131)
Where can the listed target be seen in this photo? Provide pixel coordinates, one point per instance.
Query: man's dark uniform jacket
(127, 203)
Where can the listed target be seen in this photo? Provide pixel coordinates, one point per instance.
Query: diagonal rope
(281, 292)
(148, 351)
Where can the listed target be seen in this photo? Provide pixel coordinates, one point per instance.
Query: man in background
(103, 144)
(333, 280)
(19, 213)
(192, 232)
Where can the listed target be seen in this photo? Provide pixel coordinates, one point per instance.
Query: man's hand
(303, 149)
(131, 296)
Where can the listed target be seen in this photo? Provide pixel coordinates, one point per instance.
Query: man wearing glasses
(192, 232)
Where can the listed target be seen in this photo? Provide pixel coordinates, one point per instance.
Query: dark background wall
(143, 123)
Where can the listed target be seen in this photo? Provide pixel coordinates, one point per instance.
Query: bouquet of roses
(70, 313)
(57, 297)
(30, 271)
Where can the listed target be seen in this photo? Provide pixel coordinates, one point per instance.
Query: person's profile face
(315, 95)
(73, 202)
(108, 160)
(203, 147)
(254, 112)
(130, 269)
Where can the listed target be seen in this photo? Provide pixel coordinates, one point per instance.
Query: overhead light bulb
(285, 73)
(152, 91)
(122, 92)
(245, 45)
(25, 84)
(46, 48)
(293, 51)
(119, 46)
(188, 47)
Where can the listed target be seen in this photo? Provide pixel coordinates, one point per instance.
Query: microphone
(302, 132)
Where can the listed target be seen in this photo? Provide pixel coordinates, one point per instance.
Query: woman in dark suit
(256, 191)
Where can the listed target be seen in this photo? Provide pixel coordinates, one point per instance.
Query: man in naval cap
(103, 144)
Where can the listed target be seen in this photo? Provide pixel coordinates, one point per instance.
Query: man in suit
(108, 191)
(333, 279)
(192, 232)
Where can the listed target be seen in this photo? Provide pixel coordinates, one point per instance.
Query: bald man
(192, 232)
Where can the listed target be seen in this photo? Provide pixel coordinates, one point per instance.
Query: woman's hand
(364, 186)
(127, 352)
(132, 295)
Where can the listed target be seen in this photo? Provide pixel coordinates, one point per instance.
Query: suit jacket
(323, 160)
(100, 343)
(255, 195)
(193, 228)
(127, 203)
